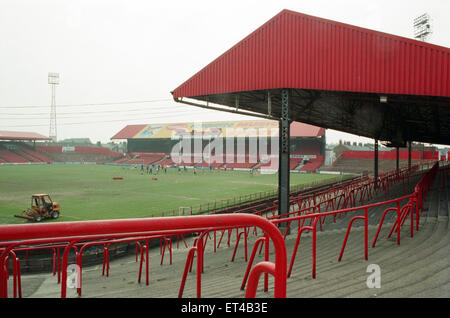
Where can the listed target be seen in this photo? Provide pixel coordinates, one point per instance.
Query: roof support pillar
(375, 168)
(409, 154)
(284, 153)
(397, 160)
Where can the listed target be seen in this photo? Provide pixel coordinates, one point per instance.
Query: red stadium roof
(21, 135)
(128, 132)
(166, 130)
(305, 130)
(338, 76)
(295, 50)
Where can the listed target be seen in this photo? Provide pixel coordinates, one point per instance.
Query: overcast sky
(133, 53)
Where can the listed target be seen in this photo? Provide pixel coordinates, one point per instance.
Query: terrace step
(387, 254)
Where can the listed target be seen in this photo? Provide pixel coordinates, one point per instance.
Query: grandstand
(358, 158)
(83, 154)
(23, 153)
(317, 242)
(154, 143)
(21, 148)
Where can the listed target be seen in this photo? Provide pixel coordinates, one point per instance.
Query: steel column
(409, 154)
(284, 153)
(375, 168)
(397, 163)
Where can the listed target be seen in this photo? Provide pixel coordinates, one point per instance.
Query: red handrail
(423, 185)
(75, 232)
(262, 241)
(314, 245)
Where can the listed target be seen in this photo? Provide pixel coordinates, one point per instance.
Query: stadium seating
(81, 157)
(214, 165)
(99, 150)
(241, 162)
(366, 165)
(11, 157)
(49, 148)
(305, 147)
(77, 154)
(145, 158)
(25, 155)
(268, 164)
(191, 160)
(166, 162)
(294, 163)
(313, 164)
(35, 154)
(122, 160)
(22, 153)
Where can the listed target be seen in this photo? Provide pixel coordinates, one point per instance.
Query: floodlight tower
(422, 31)
(422, 27)
(53, 80)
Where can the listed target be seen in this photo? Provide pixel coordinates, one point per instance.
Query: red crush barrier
(262, 241)
(17, 284)
(421, 188)
(166, 242)
(297, 241)
(366, 219)
(245, 233)
(13, 236)
(189, 262)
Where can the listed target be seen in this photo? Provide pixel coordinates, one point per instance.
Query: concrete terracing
(418, 267)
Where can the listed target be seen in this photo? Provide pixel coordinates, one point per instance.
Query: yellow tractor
(42, 207)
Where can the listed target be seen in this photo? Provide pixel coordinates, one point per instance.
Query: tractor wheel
(37, 218)
(55, 214)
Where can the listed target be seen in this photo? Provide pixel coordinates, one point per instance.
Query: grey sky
(110, 51)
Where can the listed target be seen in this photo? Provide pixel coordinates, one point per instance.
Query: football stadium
(146, 170)
(260, 208)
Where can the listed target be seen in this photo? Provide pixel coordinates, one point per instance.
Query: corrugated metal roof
(304, 130)
(294, 50)
(21, 135)
(129, 131)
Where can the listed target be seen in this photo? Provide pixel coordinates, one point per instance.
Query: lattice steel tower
(422, 27)
(53, 80)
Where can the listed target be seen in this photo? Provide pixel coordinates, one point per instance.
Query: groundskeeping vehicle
(42, 207)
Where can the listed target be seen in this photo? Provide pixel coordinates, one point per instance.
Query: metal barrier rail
(107, 243)
(415, 200)
(329, 198)
(56, 259)
(14, 236)
(349, 197)
(17, 285)
(55, 255)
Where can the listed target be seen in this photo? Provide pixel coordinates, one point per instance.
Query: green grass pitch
(88, 192)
